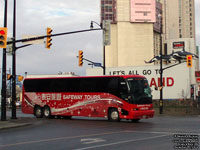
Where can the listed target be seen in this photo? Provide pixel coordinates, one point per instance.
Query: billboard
(143, 11)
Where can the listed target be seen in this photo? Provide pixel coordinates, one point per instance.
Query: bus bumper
(139, 114)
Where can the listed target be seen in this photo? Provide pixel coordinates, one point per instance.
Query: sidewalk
(14, 123)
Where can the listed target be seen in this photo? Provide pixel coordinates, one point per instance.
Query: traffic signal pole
(14, 65)
(161, 68)
(3, 91)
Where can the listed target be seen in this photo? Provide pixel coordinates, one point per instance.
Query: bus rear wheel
(38, 112)
(113, 115)
(47, 112)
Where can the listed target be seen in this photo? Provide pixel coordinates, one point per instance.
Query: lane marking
(121, 142)
(92, 140)
(59, 138)
(83, 136)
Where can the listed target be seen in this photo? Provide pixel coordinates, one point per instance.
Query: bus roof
(64, 76)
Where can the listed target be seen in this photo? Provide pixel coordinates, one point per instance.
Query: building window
(108, 10)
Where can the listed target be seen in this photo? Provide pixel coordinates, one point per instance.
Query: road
(160, 133)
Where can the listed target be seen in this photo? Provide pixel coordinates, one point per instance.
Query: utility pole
(14, 64)
(161, 68)
(3, 91)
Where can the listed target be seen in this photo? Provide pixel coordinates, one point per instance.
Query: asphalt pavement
(161, 132)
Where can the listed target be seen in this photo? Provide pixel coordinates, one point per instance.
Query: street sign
(97, 64)
(106, 32)
(9, 47)
(40, 41)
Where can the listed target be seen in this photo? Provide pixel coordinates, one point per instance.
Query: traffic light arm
(90, 61)
(58, 34)
(23, 46)
(170, 66)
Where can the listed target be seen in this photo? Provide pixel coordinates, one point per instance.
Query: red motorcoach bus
(112, 97)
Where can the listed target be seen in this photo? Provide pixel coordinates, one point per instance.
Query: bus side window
(123, 88)
(113, 86)
(72, 85)
(123, 85)
(87, 85)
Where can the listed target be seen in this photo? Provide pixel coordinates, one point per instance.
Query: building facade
(132, 31)
(139, 29)
(136, 28)
(178, 19)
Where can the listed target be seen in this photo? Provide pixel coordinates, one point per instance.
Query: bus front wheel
(47, 112)
(113, 115)
(38, 112)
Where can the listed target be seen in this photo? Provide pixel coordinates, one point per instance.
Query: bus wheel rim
(114, 115)
(38, 112)
(46, 112)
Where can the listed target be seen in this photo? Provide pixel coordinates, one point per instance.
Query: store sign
(197, 73)
(177, 45)
(198, 79)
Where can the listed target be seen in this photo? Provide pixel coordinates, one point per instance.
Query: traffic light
(9, 76)
(48, 41)
(3, 37)
(80, 58)
(20, 78)
(189, 61)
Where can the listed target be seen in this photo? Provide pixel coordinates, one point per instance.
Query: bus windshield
(139, 91)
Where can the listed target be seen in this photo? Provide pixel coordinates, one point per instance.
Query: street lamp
(91, 24)
(104, 62)
(161, 68)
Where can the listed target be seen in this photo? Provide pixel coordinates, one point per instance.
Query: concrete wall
(131, 44)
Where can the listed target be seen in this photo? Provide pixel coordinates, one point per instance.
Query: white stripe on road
(122, 142)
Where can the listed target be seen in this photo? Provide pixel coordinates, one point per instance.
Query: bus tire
(67, 117)
(113, 115)
(135, 120)
(38, 112)
(47, 112)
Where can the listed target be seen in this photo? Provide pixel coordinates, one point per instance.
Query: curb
(19, 122)
(15, 125)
